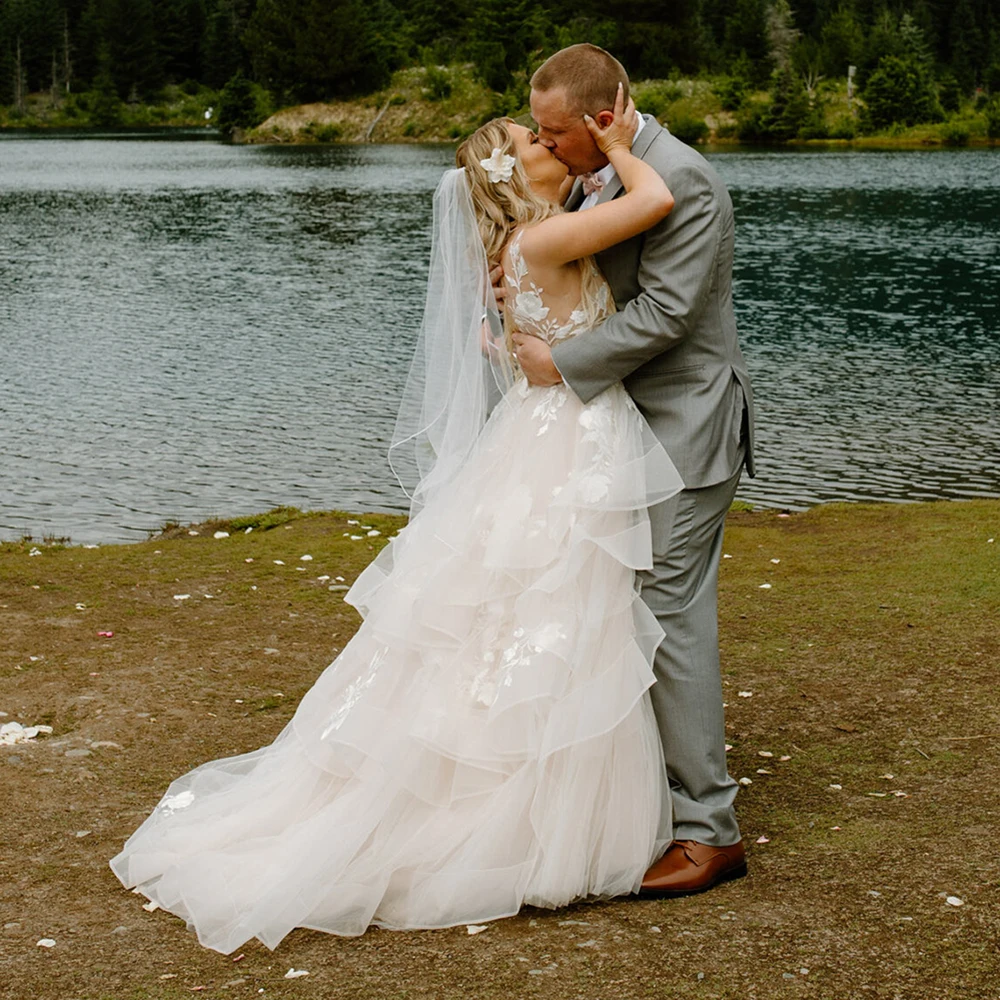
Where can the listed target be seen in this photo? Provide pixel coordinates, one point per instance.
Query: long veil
(461, 366)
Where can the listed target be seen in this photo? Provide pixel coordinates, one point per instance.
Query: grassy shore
(445, 103)
(861, 690)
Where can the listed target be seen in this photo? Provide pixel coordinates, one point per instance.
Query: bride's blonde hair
(503, 206)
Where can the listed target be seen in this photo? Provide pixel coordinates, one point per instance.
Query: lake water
(190, 328)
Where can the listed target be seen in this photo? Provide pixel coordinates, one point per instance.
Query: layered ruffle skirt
(484, 741)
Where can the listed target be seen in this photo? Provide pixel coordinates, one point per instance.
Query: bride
(486, 739)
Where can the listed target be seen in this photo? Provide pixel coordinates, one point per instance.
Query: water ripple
(192, 328)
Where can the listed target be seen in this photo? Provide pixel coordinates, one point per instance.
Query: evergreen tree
(900, 92)
(311, 49)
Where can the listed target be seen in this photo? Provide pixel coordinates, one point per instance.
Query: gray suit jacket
(673, 341)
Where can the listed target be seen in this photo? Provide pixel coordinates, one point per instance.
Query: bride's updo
(500, 206)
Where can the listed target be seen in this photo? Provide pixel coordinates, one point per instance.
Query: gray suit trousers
(681, 590)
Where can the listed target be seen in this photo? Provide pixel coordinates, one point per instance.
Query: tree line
(914, 58)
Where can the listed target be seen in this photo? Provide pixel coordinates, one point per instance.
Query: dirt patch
(870, 663)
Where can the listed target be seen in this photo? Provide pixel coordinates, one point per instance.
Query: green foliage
(732, 91)
(105, 106)
(993, 118)
(900, 92)
(438, 83)
(237, 105)
(843, 127)
(330, 132)
(317, 49)
(688, 129)
(955, 132)
(653, 98)
(949, 92)
(303, 50)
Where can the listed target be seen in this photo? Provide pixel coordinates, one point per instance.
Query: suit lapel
(649, 132)
(574, 197)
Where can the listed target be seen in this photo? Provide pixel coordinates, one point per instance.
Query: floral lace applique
(354, 692)
(529, 311)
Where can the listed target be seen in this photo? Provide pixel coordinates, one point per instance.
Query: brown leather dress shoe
(689, 867)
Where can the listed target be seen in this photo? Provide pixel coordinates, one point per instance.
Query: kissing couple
(531, 712)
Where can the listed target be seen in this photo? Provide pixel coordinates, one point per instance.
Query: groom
(673, 344)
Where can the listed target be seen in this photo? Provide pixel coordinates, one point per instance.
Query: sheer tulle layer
(484, 741)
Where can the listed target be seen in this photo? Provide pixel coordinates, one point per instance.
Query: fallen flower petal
(106, 635)
(784, 757)
(764, 753)
(762, 840)
(476, 928)
(296, 973)
(306, 558)
(746, 694)
(746, 781)
(765, 586)
(221, 534)
(951, 901)
(49, 943)
(836, 788)
(181, 597)
(279, 562)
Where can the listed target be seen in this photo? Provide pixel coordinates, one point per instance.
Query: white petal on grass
(221, 534)
(746, 781)
(355, 538)
(296, 973)
(836, 788)
(248, 530)
(764, 586)
(278, 562)
(764, 753)
(476, 928)
(81, 607)
(726, 555)
(784, 756)
(374, 533)
(764, 770)
(181, 597)
(776, 561)
(353, 522)
(955, 901)
(339, 579)
(34, 552)
(762, 840)
(192, 532)
(746, 694)
(45, 943)
(306, 558)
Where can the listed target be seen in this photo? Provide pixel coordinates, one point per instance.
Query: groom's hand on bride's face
(535, 359)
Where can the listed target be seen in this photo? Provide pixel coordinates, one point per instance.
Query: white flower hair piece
(499, 166)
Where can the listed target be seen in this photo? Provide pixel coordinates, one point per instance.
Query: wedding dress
(486, 739)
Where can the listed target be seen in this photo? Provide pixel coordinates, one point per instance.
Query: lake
(189, 328)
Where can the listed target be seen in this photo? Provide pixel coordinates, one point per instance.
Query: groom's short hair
(589, 75)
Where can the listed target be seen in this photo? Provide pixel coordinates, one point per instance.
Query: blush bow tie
(591, 184)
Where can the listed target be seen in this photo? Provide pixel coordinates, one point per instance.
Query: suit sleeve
(676, 274)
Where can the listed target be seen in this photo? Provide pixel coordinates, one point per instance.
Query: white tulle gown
(486, 739)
